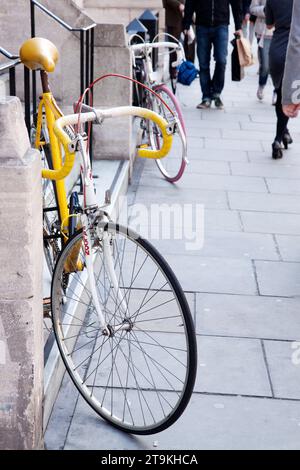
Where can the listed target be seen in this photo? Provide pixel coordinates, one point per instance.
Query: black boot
(287, 139)
(277, 150)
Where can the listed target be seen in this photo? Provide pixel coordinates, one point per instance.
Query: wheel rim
(136, 379)
(173, 165)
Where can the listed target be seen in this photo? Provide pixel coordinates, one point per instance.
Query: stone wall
(114, 11)
(21, 310)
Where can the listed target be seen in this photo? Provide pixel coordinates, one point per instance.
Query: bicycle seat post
(45, 81)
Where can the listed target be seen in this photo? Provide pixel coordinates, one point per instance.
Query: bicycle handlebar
(146, 46)
(100, 115)
(156, 45)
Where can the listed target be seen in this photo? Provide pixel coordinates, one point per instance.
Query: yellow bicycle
(121, 320)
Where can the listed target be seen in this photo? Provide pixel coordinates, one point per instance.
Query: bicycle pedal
(47, 307)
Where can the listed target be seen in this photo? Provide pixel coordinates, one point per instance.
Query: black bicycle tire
(186, 313)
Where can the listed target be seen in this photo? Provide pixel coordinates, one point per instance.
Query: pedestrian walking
(279, 16)
(212, 31)
(290, 89)
(174, 10)
(264, 38)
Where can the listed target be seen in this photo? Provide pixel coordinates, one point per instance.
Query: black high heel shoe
(277, 150)
(287, 140)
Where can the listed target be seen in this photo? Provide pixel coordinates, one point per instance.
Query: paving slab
(258, 136)
(216, 155)
(212, 182)
(290, 158)
(205, 167)
(265, 222)
(233, 144)
(211, 125)
(283, 185)
(289, 247)
(248, 316)
(278, 278)
(62, 416)
(232, 366)
(268, 170)
(200, 132)
(284, 366)
(275, 203)
(226, 244)
(210, 422)
(173, 195)
(223, 275)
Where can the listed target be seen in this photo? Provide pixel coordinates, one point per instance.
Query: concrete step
(151, 4)
(4, 85)
(118, 11)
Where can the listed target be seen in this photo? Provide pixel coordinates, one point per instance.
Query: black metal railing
(86, 67)
(86, 37)
(86, 46)
(10, 67)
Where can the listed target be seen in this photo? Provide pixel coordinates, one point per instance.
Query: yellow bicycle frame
(52, 112)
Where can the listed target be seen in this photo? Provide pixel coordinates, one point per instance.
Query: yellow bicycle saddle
(39, 54)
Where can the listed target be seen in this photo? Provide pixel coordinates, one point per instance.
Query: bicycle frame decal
(86, 243)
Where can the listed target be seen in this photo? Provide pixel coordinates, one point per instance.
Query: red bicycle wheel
(172, 167)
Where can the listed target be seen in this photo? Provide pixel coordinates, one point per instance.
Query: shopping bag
(189, 45)
(237, 72)
(246, 58)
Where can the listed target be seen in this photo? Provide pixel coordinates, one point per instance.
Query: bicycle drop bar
(148, 46)
(70, 146)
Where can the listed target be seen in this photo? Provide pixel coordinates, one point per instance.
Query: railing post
(92, 79)
(81, 62)
(87, 61)
(12, 81)
(21, 309)
(27, 98)
(32, 16)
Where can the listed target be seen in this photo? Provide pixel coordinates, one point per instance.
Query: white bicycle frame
(146, 49)
(91, 204)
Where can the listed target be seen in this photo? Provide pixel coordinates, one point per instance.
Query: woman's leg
(282, 119)
(264, 70)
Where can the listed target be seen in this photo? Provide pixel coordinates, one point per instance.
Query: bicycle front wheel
(173, 165)
(141, 377)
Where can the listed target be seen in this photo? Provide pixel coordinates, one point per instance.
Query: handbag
(237, 71)
(187, 73)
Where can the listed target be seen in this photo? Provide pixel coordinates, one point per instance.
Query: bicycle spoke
(136, 376)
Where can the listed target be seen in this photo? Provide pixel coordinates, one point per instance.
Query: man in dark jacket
(212, 21)
(174, 14)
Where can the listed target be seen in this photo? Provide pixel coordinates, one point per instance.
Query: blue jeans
(216, 37)
(263, 57)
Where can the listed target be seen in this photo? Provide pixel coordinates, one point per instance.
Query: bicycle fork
(108, 260)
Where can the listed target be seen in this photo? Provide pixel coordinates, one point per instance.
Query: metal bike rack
(136, 27)
(150, 21)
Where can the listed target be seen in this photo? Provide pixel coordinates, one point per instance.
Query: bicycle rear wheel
(141, 377)
(173, 166)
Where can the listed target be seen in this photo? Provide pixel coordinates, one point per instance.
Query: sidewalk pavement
(243, 286)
